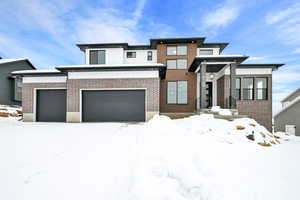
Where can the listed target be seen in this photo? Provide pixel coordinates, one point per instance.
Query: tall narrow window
(177, 92)
(182, 92)
(238, 88)
(97, 56)
(247, 84)
(18, 89)
(172, 92)
(149, 55)
(261, 88)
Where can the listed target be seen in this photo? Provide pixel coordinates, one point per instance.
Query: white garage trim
(113, 74)
(35, 99)
(45, 79)
(101, 89)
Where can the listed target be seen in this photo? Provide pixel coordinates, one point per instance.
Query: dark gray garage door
(113, 105)
(51, 106)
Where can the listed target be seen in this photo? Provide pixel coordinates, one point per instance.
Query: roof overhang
(216, 60)
(221, 46)
(273, 66)
(37, 73)
(155, 41)
(4, 61)
(123, 67)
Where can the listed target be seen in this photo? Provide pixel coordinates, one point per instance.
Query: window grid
(177, 98)
(177, 50)
(176, 64)
(149, 55)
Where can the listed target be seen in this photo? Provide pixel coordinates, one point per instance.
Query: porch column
(232, 85)
(203, 85)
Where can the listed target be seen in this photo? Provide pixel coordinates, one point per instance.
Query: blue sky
(46, 31)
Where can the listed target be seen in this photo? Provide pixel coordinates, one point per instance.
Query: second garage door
(113, 105)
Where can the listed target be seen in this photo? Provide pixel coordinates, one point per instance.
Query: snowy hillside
(196, 158)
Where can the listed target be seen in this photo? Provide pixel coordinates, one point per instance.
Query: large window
(131, 54)
(180, 50)
(149, 55)
(177, 63)
(177, 92)
(97, 56)
(18, 89)
(238, 88)
(206, 52)
(247, 84)
(261, 85)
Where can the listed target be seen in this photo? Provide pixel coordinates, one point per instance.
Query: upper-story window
(97, 56)
(179, 50)
(206, 52)
(177, 63)
(261, 88)
(149, 55)
(247, 84)
(131, 54)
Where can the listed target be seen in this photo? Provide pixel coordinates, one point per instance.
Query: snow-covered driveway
(194, 158)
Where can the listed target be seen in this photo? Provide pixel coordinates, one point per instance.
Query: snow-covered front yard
(196, 158)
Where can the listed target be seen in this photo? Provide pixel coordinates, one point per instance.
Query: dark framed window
(206, 52)
(149, 55)
(177, 63)
(97, 56)
(174, 50)
(238, 88)
(131, 54)
(247, 84)
(18, 89)
(261, 85)
(177, 92)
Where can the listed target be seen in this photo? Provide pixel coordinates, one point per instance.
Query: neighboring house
(122, 82)
(288, 118)
(10, 86)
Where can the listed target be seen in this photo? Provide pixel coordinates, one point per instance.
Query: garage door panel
(51, 106)
(113, 105)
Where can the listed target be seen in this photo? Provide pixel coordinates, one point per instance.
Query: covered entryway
(51, 105)
(113, 105)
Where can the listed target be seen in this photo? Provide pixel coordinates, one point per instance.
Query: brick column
(232, 85)
(203, 85)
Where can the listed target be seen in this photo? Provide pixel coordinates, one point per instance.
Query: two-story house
(122, 82)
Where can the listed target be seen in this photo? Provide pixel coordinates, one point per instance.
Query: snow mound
(220, 111)
(10, 111)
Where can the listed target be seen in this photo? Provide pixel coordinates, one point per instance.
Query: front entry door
(209, 94)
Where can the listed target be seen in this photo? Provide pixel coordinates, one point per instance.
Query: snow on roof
(112, 65)
(5, 60)
(220, 56)
(36, 71)
(288, 106)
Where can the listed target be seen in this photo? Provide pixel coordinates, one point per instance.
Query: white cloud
(286, 23)
(62, 26)
(223, 15)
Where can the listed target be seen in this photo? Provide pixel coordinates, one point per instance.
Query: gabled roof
(4, 61)
(296, 100)
(289, 95)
